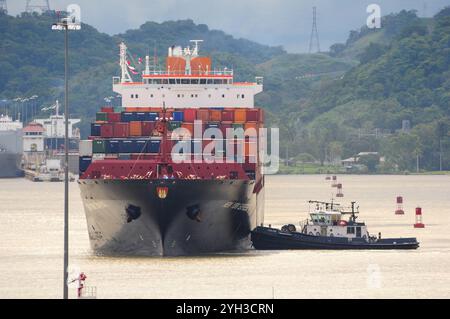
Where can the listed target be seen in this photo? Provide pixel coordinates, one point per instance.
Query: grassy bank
(310, 168)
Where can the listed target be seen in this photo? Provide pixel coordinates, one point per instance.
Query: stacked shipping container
(137, 131)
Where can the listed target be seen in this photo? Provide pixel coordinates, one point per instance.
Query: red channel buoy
(339, 190)
(334, 181)
(419, 223)
(399, 210)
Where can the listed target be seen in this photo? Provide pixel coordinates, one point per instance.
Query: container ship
(10, 147)
(174, 171)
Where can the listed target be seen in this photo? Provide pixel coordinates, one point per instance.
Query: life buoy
(343, 223)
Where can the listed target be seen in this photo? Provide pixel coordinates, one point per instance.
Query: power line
(314, 40)
(42, 6)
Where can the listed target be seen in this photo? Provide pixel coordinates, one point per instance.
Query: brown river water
(31, 246)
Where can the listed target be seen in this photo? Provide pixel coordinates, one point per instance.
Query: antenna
(196, 47)
(42, 6)
(3, 6)
(125, 78)
(314, 34)
(424, 13)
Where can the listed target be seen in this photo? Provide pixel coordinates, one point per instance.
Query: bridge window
(350, 230)
(194, 81)
(184, 81)
(171, 81)
(202, 81)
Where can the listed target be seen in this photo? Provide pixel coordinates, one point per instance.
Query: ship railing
(303, 224)
(116, 80)
(222, 72)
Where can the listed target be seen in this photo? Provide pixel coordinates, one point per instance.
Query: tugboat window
(350, 230)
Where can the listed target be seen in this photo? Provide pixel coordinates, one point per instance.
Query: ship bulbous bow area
(170, 217)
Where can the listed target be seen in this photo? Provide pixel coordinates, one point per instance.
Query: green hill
(328, 106)
(403, 77)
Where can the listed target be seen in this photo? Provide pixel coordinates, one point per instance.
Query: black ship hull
(10, 165)
(170, 217)
(273, 239)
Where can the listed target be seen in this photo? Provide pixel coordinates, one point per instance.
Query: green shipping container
(174, 125)
(99, 147)
(102, 116)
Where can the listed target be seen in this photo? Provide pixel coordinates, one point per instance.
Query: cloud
(274, 22)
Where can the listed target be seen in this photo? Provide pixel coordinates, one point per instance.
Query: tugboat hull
(170, 217)
(265, 238)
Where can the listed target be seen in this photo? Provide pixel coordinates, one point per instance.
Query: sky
(274, 22)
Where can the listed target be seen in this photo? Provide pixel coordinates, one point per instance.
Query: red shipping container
(203, 115)
(224, 126)
(189, 127)
(215, 115)
(106, 130)
(190, 115)
(107, 109)
(261, 116)
(251, 129)
(121, 129)
(252, 115)
(114, 117)
(147, 128)
(227, 115)
(135, 128)
(240, 116)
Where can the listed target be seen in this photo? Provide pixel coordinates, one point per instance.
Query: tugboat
(327, 229)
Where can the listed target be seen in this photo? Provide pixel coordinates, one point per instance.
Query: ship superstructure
(176, 170)
(10, 147)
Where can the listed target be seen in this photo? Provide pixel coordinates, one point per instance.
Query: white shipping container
(85, 148)
(98, 157)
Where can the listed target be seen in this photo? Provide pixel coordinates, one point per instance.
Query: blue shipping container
(96, 129)
(113, 146)
(178, 116)
(141, 146)
(84, 161)
(127, 146)
(153, 146)
(145, 116)
(152, 116)
(128, 116)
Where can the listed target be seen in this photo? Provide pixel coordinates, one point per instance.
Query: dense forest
(403, 76)
(385, 90)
